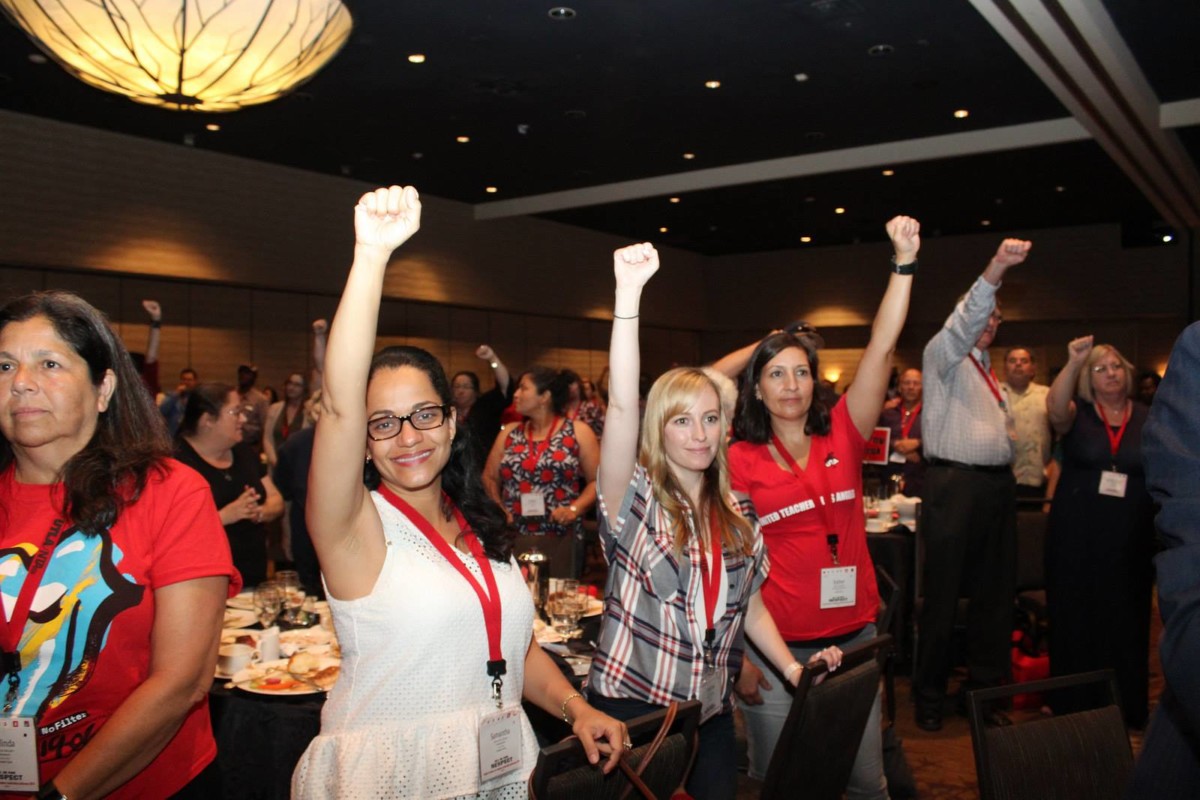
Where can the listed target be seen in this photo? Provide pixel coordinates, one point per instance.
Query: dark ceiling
(616, 95)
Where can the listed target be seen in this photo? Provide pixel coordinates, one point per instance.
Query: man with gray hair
(969, 509)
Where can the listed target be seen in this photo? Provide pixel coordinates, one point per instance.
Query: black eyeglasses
(423, 419)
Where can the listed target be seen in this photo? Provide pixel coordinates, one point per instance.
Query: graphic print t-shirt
(86, 645)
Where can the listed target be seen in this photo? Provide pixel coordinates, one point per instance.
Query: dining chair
(823, 729)
(1068, 756)
(563, 772)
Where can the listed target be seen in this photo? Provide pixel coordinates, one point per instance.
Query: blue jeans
(764, 723)
(714, 774)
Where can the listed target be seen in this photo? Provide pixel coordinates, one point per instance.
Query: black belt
(945, 462)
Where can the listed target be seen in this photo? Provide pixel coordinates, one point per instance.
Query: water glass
(268, 600)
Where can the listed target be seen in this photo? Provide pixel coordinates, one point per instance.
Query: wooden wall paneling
(507, 333)
(468, 330)
(220, 332)
(15, 282)
(429, 327)
(281, 336)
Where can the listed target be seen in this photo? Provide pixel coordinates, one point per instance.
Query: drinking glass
(293, 594)
(268, 600)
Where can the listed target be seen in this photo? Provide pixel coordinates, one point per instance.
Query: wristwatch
(574, 510)
(904, 269)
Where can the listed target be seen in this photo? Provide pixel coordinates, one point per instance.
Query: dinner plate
(305, 637)
(244, 601)
(278, 668)
(580, 665)
(239, 618)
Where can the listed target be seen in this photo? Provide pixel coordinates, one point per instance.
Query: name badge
(712, 693)
(499, 743)
(533, 504)
(897, 458)
(838, 586)
(18, 754)
(1113, 483)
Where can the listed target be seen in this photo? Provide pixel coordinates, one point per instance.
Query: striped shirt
(652, 637)
(963, 421)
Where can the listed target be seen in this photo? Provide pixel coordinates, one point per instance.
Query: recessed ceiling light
(1060, 188)
(38, 58)
(418, 156)
(962, 113)
(561, 13)
(491, 190)
(806, 239)
(663, 229)
(887, 173)
(985, 222)
(417, 58)
(800, 77)
(712, 84)
(212, 126)
(839, 210)
(674, 199)
(1167, 238)
(880, 50)
(688, 156)
(462, 139)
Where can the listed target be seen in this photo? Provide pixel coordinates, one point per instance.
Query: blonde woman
(684, 566)
(1100, 543)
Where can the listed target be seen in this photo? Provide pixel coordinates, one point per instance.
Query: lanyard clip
(497, 684)
(14, 681)
(832, 541)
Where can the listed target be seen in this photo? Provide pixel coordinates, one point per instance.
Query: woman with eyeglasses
(210, 442)
(432, 613)
(1100, 541)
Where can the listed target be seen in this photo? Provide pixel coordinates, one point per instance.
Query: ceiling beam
(1073, 46)
(930, 148)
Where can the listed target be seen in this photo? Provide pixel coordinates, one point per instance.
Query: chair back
(1081, 754)
(823, 729)
(563, 771)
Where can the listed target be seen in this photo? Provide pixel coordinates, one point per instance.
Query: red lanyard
(14, 627)
(711, 581)
(818, 497)
(907, 419)
(1114, 439)
(534, 446)
(489, 601)
(989, 378)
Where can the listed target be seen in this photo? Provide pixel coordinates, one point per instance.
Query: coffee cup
(232, 658)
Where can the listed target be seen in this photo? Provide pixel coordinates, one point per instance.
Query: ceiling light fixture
(183, 55)
(839, 210)
(712, 84)
(561, 13)
(985, 222)
(688, 156)
(887, 173)
(674, 199)
(1167, 238)
(462, 139)
(212, 126)
(800, 77)
(962, 113)
(491, 190)
(663, 229)
(416, 58)
(806, 239)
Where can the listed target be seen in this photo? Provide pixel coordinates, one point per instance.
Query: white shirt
(963, 421)
(1028, 411)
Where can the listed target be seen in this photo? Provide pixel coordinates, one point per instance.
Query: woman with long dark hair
(433, 615)
(210, 442)
(117, 561)
(543, 471)
(799, 460)
(685, 566)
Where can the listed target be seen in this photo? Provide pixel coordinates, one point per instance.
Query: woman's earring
(368, 458)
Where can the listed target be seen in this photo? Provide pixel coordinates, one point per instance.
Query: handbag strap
(651, 750)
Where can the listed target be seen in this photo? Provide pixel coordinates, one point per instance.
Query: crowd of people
(729, 503)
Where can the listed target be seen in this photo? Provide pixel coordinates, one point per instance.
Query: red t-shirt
(794, 529)
(86, 646)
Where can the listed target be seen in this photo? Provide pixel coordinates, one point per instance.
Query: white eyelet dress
(403, 719)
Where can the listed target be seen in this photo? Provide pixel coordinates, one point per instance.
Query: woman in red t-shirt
(800, 463)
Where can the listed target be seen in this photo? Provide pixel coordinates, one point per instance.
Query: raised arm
(155, 311)
(1060, 401)
(864, 398)
(320, 330)
(499, 371)
(731, 364)
(337, 501)
(632, 267)
(970, 317)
